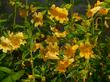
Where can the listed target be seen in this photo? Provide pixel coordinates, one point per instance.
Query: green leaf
(107, 1)
(66, 1)
(3, 20)
(6, 70)
(80, 28)
(2, 56)
(8, 79)
(13, 77)
(68, 6)
(17, 75)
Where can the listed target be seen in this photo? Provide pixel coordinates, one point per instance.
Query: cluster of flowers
(12, 41)
(57, 13)
(97, 9)
(52, 49)
(52, 52)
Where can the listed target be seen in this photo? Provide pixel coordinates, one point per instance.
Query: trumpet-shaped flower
(37, 19)
(70, 50)
(86, 50)
(37, 46)
(32, 8)
(64, 64)
(58, 34)
(52, 51)
(59, 14)
(76, 16)
(93, 11)
(51, 39)
(98, 3)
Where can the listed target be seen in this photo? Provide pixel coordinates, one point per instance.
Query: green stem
(32, 66)
(72, 2)
(89, 5)
(15, 10)
(31, 44)
(26, 11)
(31, 55)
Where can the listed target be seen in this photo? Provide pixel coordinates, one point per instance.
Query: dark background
(80, 5)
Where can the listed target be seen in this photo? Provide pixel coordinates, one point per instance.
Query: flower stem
(32, 66)
(15, 10)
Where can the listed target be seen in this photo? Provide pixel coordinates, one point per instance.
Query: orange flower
(103, 11)
(86, 50)
(64, 64)
(60, 14)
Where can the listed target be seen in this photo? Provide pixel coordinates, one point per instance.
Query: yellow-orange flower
(93, 11)
(76, 17)
(59, 14)
(37, 46)
(51, 39)
(5, 44)
(98, 3)
(52, 51)
(86, 50)
(59, 34)
(16, 40)
(103, 11)
(32, 8)
(12, 2)
(70, 50)
(37, 19)
(30, 76)
(64, 64)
